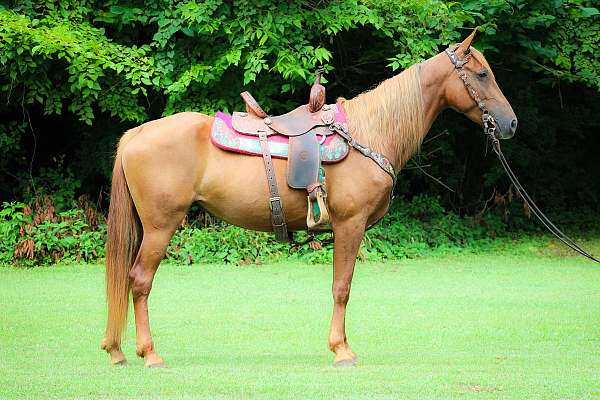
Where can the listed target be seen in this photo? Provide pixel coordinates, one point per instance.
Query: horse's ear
(463, 49)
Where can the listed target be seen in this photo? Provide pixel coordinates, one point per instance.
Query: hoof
(118, 358)
(154, 361)
(345, 363)
(155, 365)
(120, 363)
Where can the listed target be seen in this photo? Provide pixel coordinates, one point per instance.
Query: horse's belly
(234, 188)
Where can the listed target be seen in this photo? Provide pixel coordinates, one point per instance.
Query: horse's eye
(482, 74)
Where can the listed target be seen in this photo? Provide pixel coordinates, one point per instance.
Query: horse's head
(474, 75)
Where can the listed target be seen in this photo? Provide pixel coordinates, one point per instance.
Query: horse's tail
(124, 238)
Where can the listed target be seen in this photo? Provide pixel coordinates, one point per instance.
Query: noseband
(489, 129)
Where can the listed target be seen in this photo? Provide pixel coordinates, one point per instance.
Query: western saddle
(301, 126)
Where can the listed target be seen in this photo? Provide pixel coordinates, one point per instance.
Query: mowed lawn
(482, 327)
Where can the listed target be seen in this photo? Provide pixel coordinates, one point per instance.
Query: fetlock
(336, 344)
(144, 349)
(109, 347)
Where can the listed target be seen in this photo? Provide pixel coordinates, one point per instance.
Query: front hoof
(345, 363)
(154, 361)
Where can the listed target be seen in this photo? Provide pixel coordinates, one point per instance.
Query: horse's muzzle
(506, 127)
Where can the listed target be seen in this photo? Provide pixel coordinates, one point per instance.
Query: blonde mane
(389, 118)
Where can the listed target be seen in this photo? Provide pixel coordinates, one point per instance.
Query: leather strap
(277, 215)
(252, 105)
(379, 158)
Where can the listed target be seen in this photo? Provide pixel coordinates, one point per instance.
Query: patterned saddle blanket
(333, 148)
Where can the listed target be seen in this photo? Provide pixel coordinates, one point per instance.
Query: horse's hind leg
(152, 250)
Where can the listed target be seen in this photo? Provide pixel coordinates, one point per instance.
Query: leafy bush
(222, 243)
(39, 235)
(422, 226)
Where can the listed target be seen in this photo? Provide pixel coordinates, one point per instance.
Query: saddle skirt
(333, 148)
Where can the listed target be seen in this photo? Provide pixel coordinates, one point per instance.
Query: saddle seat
(294, 123)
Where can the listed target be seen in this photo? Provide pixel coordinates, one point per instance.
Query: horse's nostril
(513, 125)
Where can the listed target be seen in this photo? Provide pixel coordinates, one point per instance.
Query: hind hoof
(117, 358)
(120, 363)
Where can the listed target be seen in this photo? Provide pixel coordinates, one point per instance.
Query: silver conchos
(328, 116)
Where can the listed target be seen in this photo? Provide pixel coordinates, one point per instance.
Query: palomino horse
(162, 166)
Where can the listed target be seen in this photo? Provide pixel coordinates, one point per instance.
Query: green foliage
(423, 226)
(92, 70)
(223, 243)
(12, 221)
(420, 227)
(566, 44)
(187, 49)
(40, 236)
(75, 74)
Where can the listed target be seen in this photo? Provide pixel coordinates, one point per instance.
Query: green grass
(484, 327)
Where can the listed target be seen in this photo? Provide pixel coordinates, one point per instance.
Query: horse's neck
(433, 79)
(399, 136)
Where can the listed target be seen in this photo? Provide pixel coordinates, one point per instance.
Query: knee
(341, 292)
(140, 282)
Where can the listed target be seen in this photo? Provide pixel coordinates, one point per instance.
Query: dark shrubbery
(74, 75)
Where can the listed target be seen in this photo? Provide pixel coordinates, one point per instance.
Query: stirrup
(317, 218)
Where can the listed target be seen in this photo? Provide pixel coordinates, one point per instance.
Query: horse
(162, 166)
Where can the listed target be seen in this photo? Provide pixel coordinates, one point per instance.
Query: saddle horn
(316, 99)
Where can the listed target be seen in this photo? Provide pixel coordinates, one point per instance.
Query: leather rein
(489, 129)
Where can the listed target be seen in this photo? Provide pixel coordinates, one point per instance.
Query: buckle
(273, 200)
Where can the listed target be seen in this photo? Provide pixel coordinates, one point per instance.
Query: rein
(489, 129)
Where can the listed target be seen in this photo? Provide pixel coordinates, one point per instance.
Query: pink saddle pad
(222, 135)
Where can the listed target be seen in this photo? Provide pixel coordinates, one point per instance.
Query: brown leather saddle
(303, 126)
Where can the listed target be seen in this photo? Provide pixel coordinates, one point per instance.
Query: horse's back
(171, 129)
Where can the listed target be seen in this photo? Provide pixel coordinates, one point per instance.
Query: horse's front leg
(348, 236)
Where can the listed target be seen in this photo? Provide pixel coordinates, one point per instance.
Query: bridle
(489, 123)
(489, 130)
